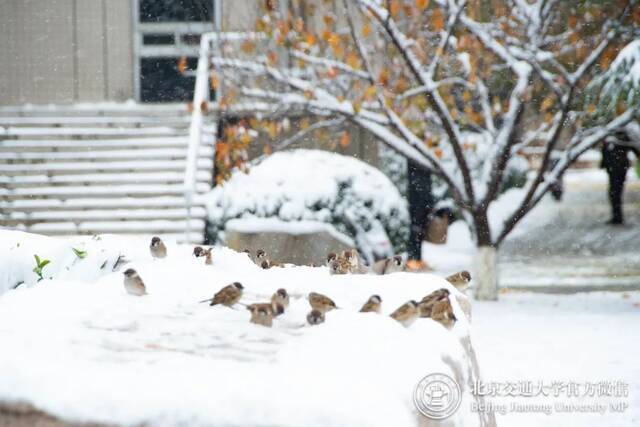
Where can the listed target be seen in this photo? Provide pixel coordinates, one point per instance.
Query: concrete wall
(62, 51)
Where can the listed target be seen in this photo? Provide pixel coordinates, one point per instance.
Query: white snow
(313, 185)
(79, 347)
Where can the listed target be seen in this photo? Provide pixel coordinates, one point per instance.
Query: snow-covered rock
(78, 347)
(313, 185)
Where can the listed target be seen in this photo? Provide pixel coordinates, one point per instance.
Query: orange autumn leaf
(547, 103)
(437, 20)
(383, 78)
(215, 81)
(248, 46)
(394, 8)
(572, 21)
(438, 152)
(366, 30)
(344, 140)
(422, 4)
(182, 64)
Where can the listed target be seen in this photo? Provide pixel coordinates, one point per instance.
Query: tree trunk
(485, 273)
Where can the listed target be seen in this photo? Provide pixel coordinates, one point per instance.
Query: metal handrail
(200, 100)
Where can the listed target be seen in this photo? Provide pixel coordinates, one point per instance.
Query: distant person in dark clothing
(420, 206)
(615, 161)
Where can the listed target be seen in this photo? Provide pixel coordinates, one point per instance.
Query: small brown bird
(227, 296)
(426, 305)
(133, 283)
(315, 317)
(372, 305)
(157, 248)
(198, 251)
(263, 313)
(442, 312)
(460, 280)
(388, 265)
(406, 313)
(208, 260)
(281, 296)
(321, 302)
(330, 257)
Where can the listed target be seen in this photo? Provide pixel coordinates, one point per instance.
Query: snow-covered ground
(585, 337)
(77, 346)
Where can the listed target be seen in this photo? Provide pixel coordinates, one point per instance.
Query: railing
(200, 100)
(209, 45)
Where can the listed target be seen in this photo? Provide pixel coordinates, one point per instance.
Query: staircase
(102, 168)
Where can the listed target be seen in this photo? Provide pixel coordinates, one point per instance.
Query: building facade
(68, 51)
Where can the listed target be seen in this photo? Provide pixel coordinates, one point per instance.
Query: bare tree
(457, 88)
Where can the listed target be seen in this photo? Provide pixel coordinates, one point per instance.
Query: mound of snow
(83, 350)
(312, 185)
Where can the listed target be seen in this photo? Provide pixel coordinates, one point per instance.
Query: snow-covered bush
(312, 185)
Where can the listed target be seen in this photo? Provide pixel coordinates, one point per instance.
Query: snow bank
(80, 348)
(312, 185)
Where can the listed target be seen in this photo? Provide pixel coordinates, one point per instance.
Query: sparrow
(426, 305)
(315, 317)
(198, 251)
(207, 256)
(406, 313)
(281, 296)
(442, 312)
(339, 265)
(348, 262)
(157, 248)
(227, 296)
(263, 313)
(133, 283)
(321, 302)
(372, 305)
(388, 265)
(460, 280)
(330, 257)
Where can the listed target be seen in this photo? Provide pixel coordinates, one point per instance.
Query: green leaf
(43, 263)
(79, 253)
(37, 259)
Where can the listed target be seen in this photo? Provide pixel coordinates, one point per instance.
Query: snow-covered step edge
(55, 121)
(140, 141)
(106, 155)
(99, 190)
(125, 166)
(98, 108)
(101, 215)
(115, 227)
(89, 203)
(45, 132)
(103, 178)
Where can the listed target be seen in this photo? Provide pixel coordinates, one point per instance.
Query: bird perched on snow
(406, 313)
(262, 260)
(227, 296)
(321, 302)
(208, 260)
(348, 262)
(263, 313)
(315, 317)
(330, 257)
(442, 312)
(388, 265)
(198, 251)
(372, 305)
(281, 296)
(460, 280)
(157, 248)
(426, 305)
(133, 283)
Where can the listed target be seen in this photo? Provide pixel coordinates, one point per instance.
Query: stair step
(111, 155)
(96, 109)
(86, 132)
(96, 121)
(89, 203)
(84, 167)
(114, 227)
(16, 218)
(101, 178)
(142, 190)
(60, 144)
